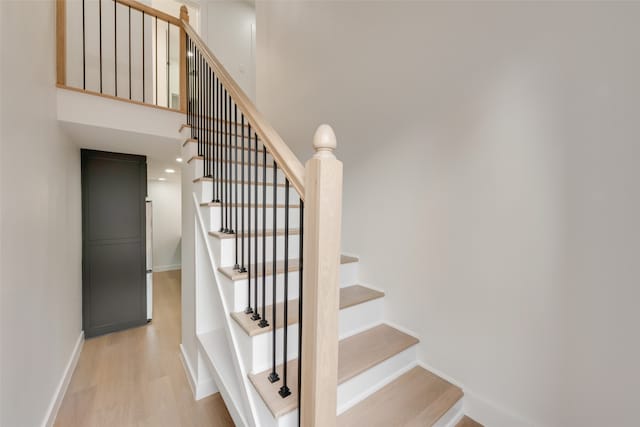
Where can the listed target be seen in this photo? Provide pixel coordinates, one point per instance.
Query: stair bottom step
(381, 349)
(416, 398)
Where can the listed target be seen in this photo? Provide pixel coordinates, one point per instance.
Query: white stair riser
(198, 171)
(259, 347)
(228, 251)
(212, 215)
(265, 417)
(222, 134)
(236, 292)
(361, 386)
(204, 191)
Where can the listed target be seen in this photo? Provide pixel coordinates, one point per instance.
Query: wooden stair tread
(468, 422)
(293, 266)
(267, 233)
(247, 205)
(238, 162)
(217, 144)
(233, 181)
(196, 126)
(416, 398)
(356, 354)
(349, 296)
(186, 125)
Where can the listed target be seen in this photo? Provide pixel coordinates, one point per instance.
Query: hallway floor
(135, 377)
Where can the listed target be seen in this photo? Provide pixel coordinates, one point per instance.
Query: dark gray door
(114, 187)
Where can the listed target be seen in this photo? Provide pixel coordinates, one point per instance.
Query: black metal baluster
(216, 140)
(194, 96)
(256, 314)
(211, 113)
(254, 310)
(199, 95)
(243, 268)
(84, 52)
(227, 165)
(201, 138)
(223, 148)
(264, 323)
(188, 94)
(115, 44)
(273, 376)
(212, 128)
(300, 302)
(157, 103)
(129, 52)
(235, 179)
(220, 122)
(284, 390)
(219, 136)
(229, 169)
(207, 111)
(168, 70)
(215, 112)
(100, 36)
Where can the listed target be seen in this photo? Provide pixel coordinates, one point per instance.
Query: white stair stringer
(223, 379)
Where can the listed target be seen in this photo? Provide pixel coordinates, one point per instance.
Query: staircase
(381, 382)
(283, 324)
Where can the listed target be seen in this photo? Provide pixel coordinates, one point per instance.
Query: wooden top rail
(148, 10)
(282, 154)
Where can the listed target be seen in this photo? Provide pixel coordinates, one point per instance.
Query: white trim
(199, 390)
(188, 370)
(232, 339)
(481, 410)
(54, 406)
(170, 267)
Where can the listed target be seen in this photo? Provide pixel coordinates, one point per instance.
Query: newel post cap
(184, 13)
(324, 141)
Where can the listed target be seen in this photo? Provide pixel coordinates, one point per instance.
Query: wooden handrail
(148, 10)
(282, 154)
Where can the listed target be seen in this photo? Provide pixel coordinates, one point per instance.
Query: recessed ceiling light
(162, 179)
(170, 171)
(179, 159)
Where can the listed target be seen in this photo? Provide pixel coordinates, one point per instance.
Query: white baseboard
(170, 267)
(481, 410)
(199, 389)
(54, 406)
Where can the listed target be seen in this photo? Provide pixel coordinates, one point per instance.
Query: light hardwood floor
(135, 377)
(468, 422)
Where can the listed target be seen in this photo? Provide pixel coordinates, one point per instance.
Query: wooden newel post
(322, 227)
(184, 16)
(61, 42)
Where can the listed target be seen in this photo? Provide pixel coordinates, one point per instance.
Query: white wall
(167, 224)
(491, 167)
(40, 258)
(228, 28)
